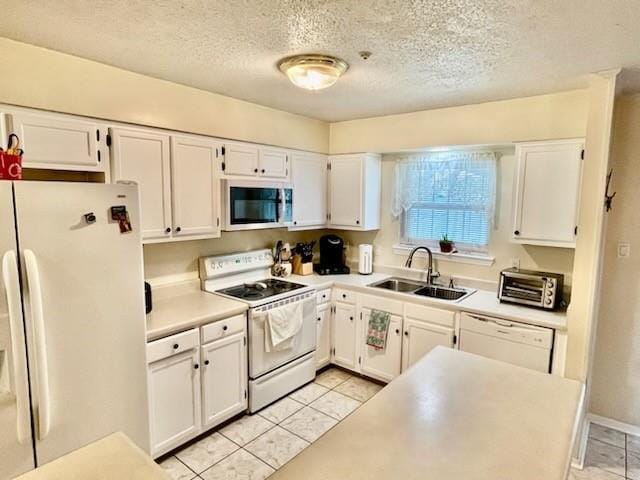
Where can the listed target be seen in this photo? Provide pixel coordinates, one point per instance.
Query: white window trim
(458, 257)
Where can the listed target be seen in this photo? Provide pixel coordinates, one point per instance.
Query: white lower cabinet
(194, 387)
(224, 379)
(323, 336)
(414, 330)
(174, 398)
(382, 364)
(420, 338)
(344, 335)
(424, 329)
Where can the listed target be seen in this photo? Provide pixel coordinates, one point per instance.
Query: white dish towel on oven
(281, 327)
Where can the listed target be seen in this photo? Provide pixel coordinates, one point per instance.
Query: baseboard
(615, 424)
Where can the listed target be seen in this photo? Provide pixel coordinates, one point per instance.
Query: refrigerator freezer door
(84, 309)
(16, 452)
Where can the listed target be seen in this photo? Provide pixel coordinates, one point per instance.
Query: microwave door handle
(12, 287)
(37, 319)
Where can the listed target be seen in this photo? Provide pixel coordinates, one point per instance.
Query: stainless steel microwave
(531, 288)
(251, 205)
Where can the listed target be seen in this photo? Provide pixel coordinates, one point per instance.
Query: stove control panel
(220, 265)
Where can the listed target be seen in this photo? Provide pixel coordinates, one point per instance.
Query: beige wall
(55, 81)
(164, 262)
(581, 316)
(542, 258)
(615, 387)
(560, 115)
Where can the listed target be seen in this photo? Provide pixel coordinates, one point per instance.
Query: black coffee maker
(331, 256)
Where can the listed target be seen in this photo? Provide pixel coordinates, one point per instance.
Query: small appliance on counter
(365, 259)
(531, 288)
(331, 257)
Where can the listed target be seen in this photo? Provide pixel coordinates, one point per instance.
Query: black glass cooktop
(261, 289)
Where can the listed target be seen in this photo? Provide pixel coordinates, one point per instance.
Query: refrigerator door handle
(37, 319)
(12, 286)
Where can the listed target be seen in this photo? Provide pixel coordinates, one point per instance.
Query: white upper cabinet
(309, 179)
(547, 192)
(240, 159)
(142, 156)
(58, 142)
(273, 163)
(195, 192)
(354, 191)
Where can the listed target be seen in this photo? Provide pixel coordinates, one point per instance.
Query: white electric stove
(247, 277)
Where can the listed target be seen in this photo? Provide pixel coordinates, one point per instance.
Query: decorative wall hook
(608, 199)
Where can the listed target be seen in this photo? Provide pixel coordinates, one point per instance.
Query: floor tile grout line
(608, 443)
(191, 469)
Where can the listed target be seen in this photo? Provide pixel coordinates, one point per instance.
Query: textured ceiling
(426, 54)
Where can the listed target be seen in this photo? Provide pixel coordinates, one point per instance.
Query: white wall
(541, 258)
(615, 387)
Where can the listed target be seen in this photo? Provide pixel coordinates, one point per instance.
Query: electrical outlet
(624, 250)
(515, 263)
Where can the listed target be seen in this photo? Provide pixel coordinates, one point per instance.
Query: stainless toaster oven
(531, 288)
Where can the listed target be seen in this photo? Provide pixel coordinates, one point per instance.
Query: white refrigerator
(72, 321)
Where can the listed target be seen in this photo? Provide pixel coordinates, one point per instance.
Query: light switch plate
(624, 250)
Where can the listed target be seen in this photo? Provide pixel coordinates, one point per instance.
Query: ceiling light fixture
(313, 72)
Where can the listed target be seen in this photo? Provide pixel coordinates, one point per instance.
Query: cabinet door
(142, 157)
(309, 178)
(344, 336)
(547, 192)
(174, 401)
(323, 336)
(382, 364)
(195, 193)
(240, 159)
(273, 163)
(224, 379)
(58, 142)
(420, 338)
(345, 191)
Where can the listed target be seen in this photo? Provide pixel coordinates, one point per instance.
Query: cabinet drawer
(178, 343)
(431, 315)
(381, 303)
(222, 328)
(323, 296)
(344, 296)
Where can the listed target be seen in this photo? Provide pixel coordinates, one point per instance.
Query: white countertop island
(452, 416)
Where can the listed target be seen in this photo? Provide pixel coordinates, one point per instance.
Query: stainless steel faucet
(430, 274)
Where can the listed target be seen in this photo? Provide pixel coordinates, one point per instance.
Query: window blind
(446, 193)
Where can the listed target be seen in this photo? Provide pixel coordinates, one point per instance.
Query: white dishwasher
(517, 343)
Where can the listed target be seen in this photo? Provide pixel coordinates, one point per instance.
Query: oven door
(261, 361)
(252, 205)
(523, 289)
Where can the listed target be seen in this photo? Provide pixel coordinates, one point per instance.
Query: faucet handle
(452, 283)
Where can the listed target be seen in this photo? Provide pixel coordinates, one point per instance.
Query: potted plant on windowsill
(446, 245)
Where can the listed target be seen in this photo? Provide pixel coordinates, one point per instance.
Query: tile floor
(611, 455)
(255, 446)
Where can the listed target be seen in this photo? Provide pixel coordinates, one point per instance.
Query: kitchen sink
(443, 293)
(403, 285)
(398, 285)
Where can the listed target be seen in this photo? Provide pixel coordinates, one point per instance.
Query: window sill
(470, 258)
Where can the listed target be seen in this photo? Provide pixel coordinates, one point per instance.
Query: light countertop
(480, 302)
(186, 308)
(453, 415)
(115, 456)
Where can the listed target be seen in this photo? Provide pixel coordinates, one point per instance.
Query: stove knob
(548, 301)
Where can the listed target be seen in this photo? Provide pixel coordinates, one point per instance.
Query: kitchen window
(446, 193)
